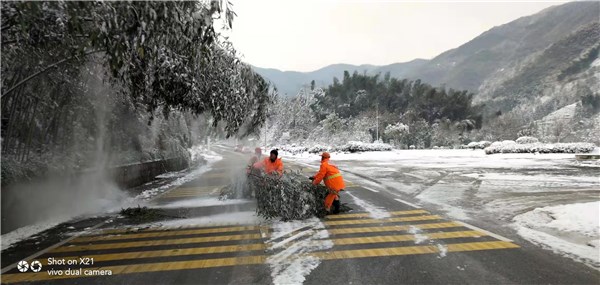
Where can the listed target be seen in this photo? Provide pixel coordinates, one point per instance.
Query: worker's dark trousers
(336, 206)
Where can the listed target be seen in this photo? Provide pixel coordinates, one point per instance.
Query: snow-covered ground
(222, 219)
(570, 229)
(290, 245)
(467, 184)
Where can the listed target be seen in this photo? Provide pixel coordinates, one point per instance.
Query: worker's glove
(311, 178)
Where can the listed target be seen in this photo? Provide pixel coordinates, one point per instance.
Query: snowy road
(394, 235)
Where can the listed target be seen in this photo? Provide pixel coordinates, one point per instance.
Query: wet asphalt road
(412, 245)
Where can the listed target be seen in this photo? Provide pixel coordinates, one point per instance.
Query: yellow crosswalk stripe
(192, 191)
(186, 195)
(364, 215)
(190, 227)
(388, 220)
(341, 231)
(164, 233)
(200, 189)
(411, 250)
(141, 268)
(260, 259)
(156, 242)
(252, 247)
(398, 238)
(167, 252)
(215, 175)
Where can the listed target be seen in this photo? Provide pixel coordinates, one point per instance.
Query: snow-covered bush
(477, 145)
(351, 146)
(354, 146)
(318, 149)
(293, 149)
(513, 147)
(527, 139)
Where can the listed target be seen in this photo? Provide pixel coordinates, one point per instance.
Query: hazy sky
(305, 35)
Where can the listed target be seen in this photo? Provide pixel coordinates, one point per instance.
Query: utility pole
(377, 120)
(265, 134)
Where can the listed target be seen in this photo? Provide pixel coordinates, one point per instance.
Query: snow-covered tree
(396, 132)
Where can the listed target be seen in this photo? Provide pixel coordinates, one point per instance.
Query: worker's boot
(336, 206)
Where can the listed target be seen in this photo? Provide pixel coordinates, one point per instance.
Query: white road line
(370, 189)
(408, 203)
(484, 231)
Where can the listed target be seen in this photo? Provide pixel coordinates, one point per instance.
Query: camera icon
(23, 266)
(36, 266)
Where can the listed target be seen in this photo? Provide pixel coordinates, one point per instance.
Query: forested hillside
(122, 81)
(365, 108)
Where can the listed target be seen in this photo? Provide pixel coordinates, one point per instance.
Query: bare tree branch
(46, 69)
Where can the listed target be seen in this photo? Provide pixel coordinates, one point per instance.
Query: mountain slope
(290, 82)
(469, 65)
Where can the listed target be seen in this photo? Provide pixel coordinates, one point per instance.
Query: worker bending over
(332, 177)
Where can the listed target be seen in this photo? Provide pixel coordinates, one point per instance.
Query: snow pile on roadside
(20, 234)
(151, 193)
(513, 147)
(573, 230)
(172, 174)
(587, 163)
(291, 244)
(209, 156)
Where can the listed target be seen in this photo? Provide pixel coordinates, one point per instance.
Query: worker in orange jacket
(271, 165)
(334, 181)
(254, 159)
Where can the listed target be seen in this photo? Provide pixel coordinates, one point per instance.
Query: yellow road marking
(410, 250)
(260, 259)
(215, 175)
(341, 231)
(140, 268)
(388, 220)
(156, 242)
(364, 215)
(201, 189)
(198, 188)
(191, 191)
(165, 233)
(193, 227)
(186, 195)
(167, 252)
(178, 192)
(398, 238)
